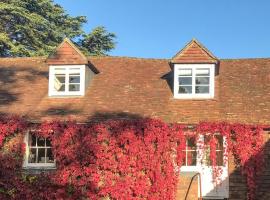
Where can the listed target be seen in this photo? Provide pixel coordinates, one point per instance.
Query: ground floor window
(38, 151)
(190, 153)
(219, 150)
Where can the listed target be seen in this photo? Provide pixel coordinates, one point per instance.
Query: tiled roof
(133, 87)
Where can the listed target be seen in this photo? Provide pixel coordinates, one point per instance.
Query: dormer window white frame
(66, 80)
(194, 81)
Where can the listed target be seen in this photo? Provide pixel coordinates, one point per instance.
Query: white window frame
(26, 164)
(200, 159)
(193, 67)
(190, 168)
(67, 70)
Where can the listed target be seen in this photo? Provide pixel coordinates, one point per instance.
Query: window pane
(74, 79)
(40, 142)
(32, 140)
(60, 77)
(48, 143)
(32, 155)
(74, 87)
(202, 72)
(185, 90)
(219, 142)
(41, 155)
(191, 158)
(219, 155)
(202, 89)
(185, 80)
(202, 80)
(59, 82)
(191, 144)
(185, 72)
(49, 156)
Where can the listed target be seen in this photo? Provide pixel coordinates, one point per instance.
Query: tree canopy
(36, 27)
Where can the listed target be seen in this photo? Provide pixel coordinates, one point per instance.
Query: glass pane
(74, 87)
(40, 142)
(207, 160)
(60, 77)
(219, 142)
(191, 158)
(202, 72)
(219, 158)
(191, 144)
(185, 80)
(185, 72)
(41, 155)
(202, 80)
(59, 82)
(74, 69)
(32, 155)
(74, 79)
(185, 90)
(59, 69)
(32, 140)
(49, 156)
(48, 143)
(202, 89)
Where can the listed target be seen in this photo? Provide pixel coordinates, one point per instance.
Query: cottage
(191, 87)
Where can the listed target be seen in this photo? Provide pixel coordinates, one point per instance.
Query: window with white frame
(190, 152)
(66, 80)
(194, 80)
(38, 152)
(197, 152)
(219, 150)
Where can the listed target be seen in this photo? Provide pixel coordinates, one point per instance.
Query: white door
(211, 189)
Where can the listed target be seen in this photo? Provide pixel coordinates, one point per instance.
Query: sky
(160, 28)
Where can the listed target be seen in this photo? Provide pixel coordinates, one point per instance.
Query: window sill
(38, 169)
(194, 98)
(66, 96)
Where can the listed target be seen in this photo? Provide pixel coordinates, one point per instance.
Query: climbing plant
(117, 159)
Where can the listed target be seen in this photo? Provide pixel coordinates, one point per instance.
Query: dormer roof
(67, 54)
(194, 52)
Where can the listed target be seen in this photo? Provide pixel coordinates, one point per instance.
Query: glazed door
(210, 188)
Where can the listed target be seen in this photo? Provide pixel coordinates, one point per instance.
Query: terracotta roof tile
(194, 52)
(132, 87)
(67, 53)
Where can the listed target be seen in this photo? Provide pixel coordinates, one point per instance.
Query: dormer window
(69, 71)
(194, 72)
(67, 80)
(194, 81)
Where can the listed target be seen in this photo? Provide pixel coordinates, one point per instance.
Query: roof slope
(130, 87)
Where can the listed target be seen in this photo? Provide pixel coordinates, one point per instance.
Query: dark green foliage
(36, 27)
(98, 42)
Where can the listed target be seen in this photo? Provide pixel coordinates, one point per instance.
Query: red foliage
(138, 159)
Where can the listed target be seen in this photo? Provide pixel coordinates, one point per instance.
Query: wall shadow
(169, 79)
(61, 111)
(106, 116)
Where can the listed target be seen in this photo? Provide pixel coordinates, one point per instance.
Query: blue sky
(159, 28)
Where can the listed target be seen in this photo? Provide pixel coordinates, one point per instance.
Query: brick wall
(187, 187)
